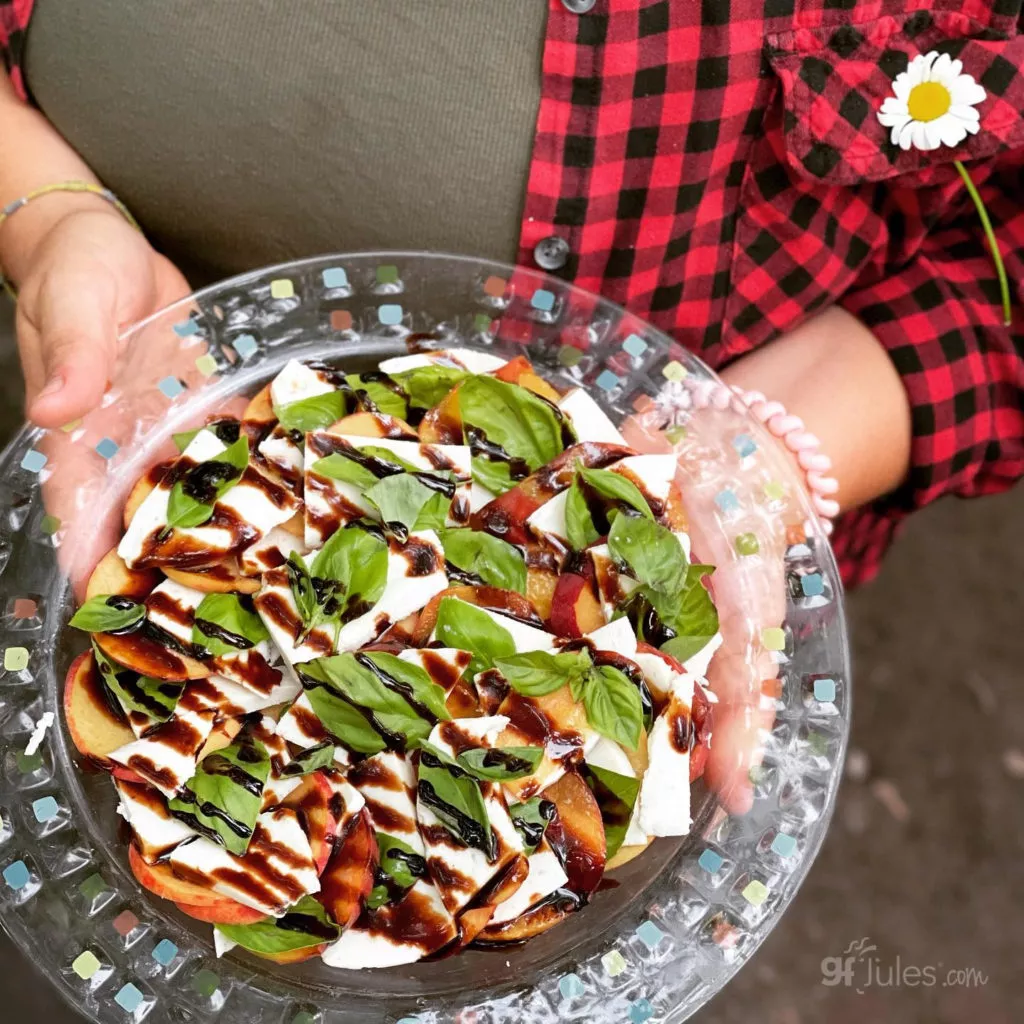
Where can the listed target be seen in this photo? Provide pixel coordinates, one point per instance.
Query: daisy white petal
(950, 132)
(940, 68)
(906, 134)
(964, 113)
(898, 127)
(915, 72)
(966, 90)
(955, 68)
(901, 86)
(922, 136)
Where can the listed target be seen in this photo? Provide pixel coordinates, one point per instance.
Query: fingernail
(53, 385)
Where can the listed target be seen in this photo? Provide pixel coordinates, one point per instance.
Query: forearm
(835, 375)
(32, 155)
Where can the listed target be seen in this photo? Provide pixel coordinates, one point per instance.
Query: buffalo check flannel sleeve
(940, 319)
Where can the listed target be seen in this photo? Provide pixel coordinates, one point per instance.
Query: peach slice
(112, 576)
(95, 729)
(520, 371)
(492, 598)
(160, 880)
(260, 408)
(224, 912)
(311, 799)
(373, 424)
(579, 831)
(575, 610)
(141, 654)
(540, 590)
(223, 578)
(443, 423)
(348, 877)
(143, 486)
(545, 915)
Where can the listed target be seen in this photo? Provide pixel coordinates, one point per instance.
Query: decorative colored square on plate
(571, 986)
(125, 923)
(818, 742)
(387, 274)
(17, 875)
(495, 287)
(86, 965)
(28, 764)
(334, 277)
(49, 525)
(641, 1011)
(206, 365)
(33, 461)
(245, 345)
(93, 886)
(784, 845)
(171, 387)
(186, 328)
(675, 434)
(614, 963)
(569, 355)
(755, 892)
(282, 288)
(164, 952)
(390, 314)
(482, 322)
(24, 608)
(726, 500)
(747, 544)
(710, 861)
(107, 448)
(674, 370)
(774, 491)
(304, 1017)
(634, 346)
(744, 444)
(813, 584)
(205, 983)
(16, 659)
(773, 638)
(795, 534)
(607, 381)
(649, 934)
(341, 320)
(68, 427)
(543, 300)
(45, 809)
(825, 690)
(129, 998)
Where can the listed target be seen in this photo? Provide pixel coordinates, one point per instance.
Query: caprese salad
(398, 662)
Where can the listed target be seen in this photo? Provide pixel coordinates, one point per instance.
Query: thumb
(76, 322)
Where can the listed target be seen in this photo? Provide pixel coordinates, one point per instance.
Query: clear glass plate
(684, 916)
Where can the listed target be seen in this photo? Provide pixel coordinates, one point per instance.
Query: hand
(90, 276)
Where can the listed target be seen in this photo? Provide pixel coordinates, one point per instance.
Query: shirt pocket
(834, 82)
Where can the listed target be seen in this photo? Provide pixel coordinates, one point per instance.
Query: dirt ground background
(926, 852)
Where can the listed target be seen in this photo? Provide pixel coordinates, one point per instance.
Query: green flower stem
(986, 224)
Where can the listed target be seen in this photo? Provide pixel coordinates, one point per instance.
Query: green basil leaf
(531, 819)
(683, 648)
(314, 413)
(156, 699)
(388, 456)
(399, 861)
(225, 624)
(689, 613)
(380, 896)
(216, 476)
(413, 682)
(501, 764)
(305, 925)
(336, 467)
(185, 438)
(577, 684)
(357, 559)
(494, 560)
(650, 551)
(616, 796)
(455, 797)
(579, 524)
(536, 673)
(222, 800)
(495, 476)
(434, 514)
(379, 397)
(98, 615)
(303, 591)
(613, 706)
(615, 488)
(400, 498)
(343, 721)
(523, 424)
(427, 386)
(310, 760)
(471, 629)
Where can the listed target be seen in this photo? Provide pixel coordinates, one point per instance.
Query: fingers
(75, 322)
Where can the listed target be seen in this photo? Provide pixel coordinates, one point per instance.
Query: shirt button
(551, 253)
(578, 6)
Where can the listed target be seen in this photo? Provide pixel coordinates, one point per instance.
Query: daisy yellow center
(928, 101)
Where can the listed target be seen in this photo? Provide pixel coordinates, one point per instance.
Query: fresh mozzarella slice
(546, 875)
(166, 755)
(665, 790)
(588, 419)
(612, 586)
(300, 726)
(463, 358)
(297, 382)
(346, 801)
(461, 871)
(479, 496)
(699, 663)
(458, 734)
(172, 607)
(276, 872)
(549, 519)
(524, 636)
(387, 782)
(221, 943)
(278, 786)
(156, 831)
(276, 606)
(230, 700)
(444, 665)
(283, 454)
(607, 754)
(417, 926)
(653, 474)
(617, 636)
(271, 551)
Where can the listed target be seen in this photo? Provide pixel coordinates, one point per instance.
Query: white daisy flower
(933, 103)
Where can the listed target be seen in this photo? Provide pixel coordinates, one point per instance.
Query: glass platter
(684, 916)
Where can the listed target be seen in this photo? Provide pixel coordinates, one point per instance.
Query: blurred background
(925, 858)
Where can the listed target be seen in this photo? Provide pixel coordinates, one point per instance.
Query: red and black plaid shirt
(716, 166)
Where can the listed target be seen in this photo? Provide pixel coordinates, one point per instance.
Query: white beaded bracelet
(790, 430)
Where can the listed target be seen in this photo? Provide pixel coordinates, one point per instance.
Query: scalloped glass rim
(677, 940)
